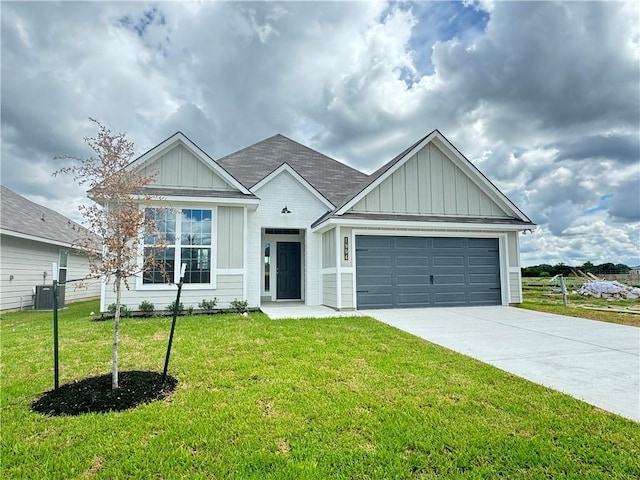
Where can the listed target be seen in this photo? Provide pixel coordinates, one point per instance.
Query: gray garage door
(396, 272)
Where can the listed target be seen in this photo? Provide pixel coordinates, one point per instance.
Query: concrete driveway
(596, 362)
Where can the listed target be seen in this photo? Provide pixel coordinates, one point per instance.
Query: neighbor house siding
(230, 232)
(27, 260)
(430, 183)
(180, 168)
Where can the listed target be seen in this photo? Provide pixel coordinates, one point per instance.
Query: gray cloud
(542, 96)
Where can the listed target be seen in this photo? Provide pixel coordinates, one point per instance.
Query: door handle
(431, 279)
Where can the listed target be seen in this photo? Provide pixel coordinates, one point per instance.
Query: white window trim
(212, 285)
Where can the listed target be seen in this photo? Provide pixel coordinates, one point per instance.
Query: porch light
(285, 210)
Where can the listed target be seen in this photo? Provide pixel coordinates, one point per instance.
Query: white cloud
(543, 97)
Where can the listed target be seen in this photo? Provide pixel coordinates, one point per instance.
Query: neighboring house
(32, 237)
(635, 270)
(279, 221)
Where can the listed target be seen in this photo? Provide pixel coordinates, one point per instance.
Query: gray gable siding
(429, 183)
(178, 167)
(334, 180)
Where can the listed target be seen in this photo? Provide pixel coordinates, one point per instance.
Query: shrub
(239, 306)
(545, 274)
(208, 304)
(124, 311)
(170, 307)
(147, 308)
(189, 310)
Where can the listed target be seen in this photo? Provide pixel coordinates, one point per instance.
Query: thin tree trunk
(114, 347)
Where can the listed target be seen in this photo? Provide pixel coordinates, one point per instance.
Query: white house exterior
(32, 238)
(278, 221)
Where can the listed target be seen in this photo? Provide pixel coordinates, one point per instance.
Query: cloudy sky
(543, 97)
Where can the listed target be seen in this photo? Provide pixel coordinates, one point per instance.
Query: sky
(543, 97)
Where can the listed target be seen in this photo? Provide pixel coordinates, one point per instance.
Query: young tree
(115, 216)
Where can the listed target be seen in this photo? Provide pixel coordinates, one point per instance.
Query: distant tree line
(545, 270)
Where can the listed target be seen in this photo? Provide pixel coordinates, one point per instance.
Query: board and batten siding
(27, 260)
(230, 243)
(430, 183)
(515, 287)
(329, 249)
(180, 168)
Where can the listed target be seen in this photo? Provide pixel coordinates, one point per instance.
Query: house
(635, 270)
(32, 238)
(278, 221)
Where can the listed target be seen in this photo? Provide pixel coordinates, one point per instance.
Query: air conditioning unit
(43, 298)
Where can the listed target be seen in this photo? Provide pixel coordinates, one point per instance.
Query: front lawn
(325, 398)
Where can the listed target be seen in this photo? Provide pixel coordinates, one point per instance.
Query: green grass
(294, 399)
(535, 290)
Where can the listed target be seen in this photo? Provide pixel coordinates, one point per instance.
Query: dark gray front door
(288, 271)
(396, 272)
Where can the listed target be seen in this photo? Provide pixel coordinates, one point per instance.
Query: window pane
(63, 258)
(196, 227)
(267, 266)
(198, 262)
(161, 265)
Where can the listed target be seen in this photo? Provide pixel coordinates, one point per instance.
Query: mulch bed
(94, 394)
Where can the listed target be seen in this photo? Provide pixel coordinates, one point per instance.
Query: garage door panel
(451, 243)
(375, 280)
(417, 261)
(426, 271)
(484, 297)
(440, 280)
(411, 280)
(448, 261)
(451, 298)
(376, 261)
(483, 279)
(410, 242)
(486, 260)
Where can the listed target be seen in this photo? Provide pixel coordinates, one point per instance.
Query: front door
(288, 273)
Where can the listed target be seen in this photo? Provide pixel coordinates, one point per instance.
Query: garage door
(396, 272)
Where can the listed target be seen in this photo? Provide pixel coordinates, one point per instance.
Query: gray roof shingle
(19, 215)
(333, 179)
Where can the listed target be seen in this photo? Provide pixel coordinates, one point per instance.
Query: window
(267, 267)
(62, 266)
(189, 237)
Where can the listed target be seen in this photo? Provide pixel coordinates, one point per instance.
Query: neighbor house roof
(24, 218)
(333, 179)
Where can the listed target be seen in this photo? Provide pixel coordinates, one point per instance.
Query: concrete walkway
(596, 362)
(282, 310)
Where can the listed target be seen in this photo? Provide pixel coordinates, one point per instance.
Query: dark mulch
(94, 394)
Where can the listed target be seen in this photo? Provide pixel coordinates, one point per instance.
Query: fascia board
(385, 175)
(464, 164)
(179, 137)
(35, 238)
(404, 224)
(285, 167)
(201, 200)
(461, 162)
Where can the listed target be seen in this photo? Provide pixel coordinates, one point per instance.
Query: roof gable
(431, 178)
(178, 163)
(332, 179)
(291, 171)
